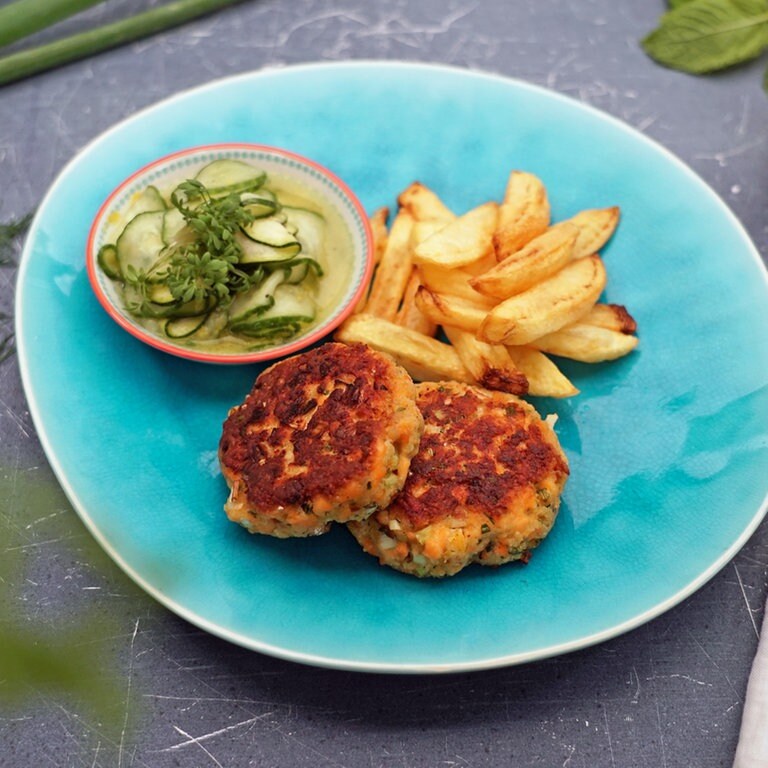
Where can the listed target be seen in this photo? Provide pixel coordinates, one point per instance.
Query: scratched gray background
(668, 694)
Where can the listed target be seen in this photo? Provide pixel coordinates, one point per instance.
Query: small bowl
(313, 180)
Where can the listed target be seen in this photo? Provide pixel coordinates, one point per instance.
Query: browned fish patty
(325, 436)
(484, 487)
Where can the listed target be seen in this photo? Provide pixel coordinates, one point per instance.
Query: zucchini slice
(292, 308)
(183, 327)
(149, 199)
(257, 300)
(141, 242)
(223, 177)
(107, 260)
(309, 227)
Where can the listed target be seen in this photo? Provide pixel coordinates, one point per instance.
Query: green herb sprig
(703, 36)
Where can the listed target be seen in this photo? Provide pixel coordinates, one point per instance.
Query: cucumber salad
(228, 256)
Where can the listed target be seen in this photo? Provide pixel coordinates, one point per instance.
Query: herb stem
(25, 17)
(40, 58)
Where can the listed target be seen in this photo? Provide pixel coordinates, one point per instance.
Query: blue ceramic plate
(668, 446)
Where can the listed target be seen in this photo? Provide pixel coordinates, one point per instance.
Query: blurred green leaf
(702, 36)
(60, 659)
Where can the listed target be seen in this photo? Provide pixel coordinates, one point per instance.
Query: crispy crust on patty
(325, 436)
(484, 487)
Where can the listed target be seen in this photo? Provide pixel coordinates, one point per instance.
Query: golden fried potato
(597, 226)
(612, 316)
(454, 282)
(425, 358)
(409, 315)
(462, 241)
(490, 364)
(586, 343)
(559, 300)
(424, 205)
(394, 269)
(538, 259)
(380, 234)
(444, 309)
(524, 214)
(545, 379)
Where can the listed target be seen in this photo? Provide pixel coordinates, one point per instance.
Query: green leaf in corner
(677, 3)
(701, 36)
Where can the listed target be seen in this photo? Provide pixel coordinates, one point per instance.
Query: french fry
(491, 365)
(524, 214)
(454, 282)
(545, 379)
(461, 241)
(612, 316)
(409, 315)
(444, 309)
(424, 229)
(393, 271)
(425, 358)
(546, 307)
(586, 343)
(424, 205)
(379, 229)
(539, 259)
(378, 224)
(597, 226)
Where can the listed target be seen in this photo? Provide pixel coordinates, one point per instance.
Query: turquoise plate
(668, 447)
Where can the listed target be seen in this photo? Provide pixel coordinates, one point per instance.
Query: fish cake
(325, 436)
(484, 487)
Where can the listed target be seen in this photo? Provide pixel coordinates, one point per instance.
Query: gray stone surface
(667, 694)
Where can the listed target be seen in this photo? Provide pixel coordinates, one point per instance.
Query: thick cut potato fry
(524, 214)
(454, 282)
(424, 229)
(539, 259)
(380, 235)
(490, 364)
(597, 226)
(409, 315)
(557, 301)
(424, 205)
(545, 379)
(394, 269)
(612, 316)
(450, 310)
(425, 358)
(462, 241)
(586, 343)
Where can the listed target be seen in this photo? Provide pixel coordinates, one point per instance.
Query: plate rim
(336, 661)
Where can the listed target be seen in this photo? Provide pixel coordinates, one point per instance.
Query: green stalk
(25, 17)
(29, 62)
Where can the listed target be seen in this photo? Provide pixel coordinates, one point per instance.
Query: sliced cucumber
(141, 242)
(148, 199)
(175, 231)
(183, 327)
(260, 204)
(261, 253)
(309, 227)
(256, 301)
(292, 309)
(223, 177)
(107, 260)
(298, 270)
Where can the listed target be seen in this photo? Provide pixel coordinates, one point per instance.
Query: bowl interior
(306, 176)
